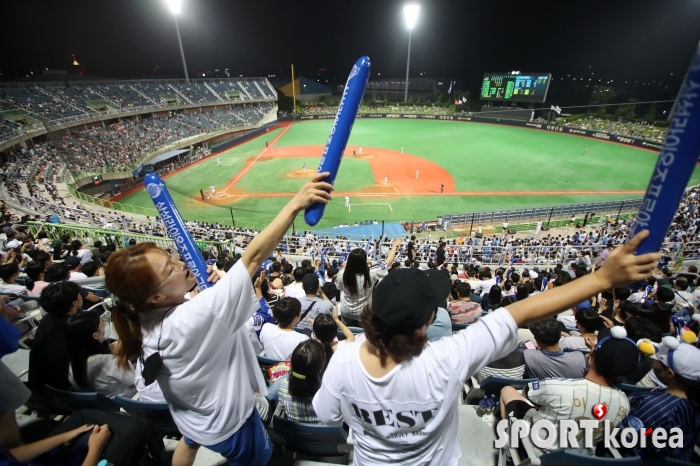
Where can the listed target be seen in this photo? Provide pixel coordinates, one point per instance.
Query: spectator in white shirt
(85, 255)
(398, 392)
(296, 289)
(73, 264)
(209, 375)
(8, 274)
(280, 340)
(486, 281)
(93, 367)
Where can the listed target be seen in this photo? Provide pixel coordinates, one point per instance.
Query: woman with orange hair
(199, 350)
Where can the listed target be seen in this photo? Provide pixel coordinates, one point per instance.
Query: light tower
(411, 14)
(174, 6)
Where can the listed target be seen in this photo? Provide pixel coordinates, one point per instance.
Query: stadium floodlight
(175, 6)
(411, 14)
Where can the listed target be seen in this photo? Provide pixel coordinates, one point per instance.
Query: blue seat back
(458, 327)
(310, 439)
(157, 413)
(266, 362)
(356, 330)
(493, 385)
(82, 400)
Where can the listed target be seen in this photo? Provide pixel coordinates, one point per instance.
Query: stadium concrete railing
(515, 217)
(519, 256)
(88, 235)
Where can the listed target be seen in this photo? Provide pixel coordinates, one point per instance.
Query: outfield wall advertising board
(498, 121)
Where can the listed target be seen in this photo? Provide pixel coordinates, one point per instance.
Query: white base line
(371, 203)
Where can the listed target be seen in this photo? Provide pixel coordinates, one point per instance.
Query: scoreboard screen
(515, 87)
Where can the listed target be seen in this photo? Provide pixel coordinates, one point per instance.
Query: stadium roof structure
(166, 156)
(306, 89)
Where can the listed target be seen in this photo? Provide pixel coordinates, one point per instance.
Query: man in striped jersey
(573, 399)
(679, 406)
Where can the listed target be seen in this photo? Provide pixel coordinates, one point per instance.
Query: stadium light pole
(411, 14)
(174, 6)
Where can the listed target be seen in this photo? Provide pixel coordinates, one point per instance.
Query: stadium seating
(311, 439)
(82, 400)
(157, 413)
(492, 386)
(196, 92)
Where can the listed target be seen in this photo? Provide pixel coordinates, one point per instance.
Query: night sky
(454, 39)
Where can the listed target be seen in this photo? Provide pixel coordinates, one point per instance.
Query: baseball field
(408, 170)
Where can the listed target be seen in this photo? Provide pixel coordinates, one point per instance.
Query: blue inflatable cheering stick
(676, 163)
(167, 210)
(340, 132)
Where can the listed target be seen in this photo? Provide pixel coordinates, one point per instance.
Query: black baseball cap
(310, 283)
(405, 300)
(72, 261)
(442, 285)
(616, 354)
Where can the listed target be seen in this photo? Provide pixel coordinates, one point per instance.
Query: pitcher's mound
(301, 173)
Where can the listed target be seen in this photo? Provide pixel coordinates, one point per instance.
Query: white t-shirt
(410, 414)
(279, 344)
(77, 276)
(12, 288)
(209, 366)
(104, 377)
(486, 285)
(85, 255)
(295, 290)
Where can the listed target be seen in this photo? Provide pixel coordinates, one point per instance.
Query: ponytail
(128, 326)
(34, 270)
(128, 274)
(328, 350)
(29, 284)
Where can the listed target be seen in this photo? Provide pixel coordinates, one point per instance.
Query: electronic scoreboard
(515, 87)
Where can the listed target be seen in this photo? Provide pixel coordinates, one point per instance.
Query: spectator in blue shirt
(676, 365)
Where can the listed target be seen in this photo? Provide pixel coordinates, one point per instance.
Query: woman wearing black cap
(398, 392)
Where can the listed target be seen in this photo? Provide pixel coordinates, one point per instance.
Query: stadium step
(211, 89)
(475, 439)
(260, 89)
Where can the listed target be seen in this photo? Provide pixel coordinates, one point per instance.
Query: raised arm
(621, 268)
(267, 240)
(392, 253)
(349, 336)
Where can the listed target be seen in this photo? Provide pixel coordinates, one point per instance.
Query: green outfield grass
(480, 157)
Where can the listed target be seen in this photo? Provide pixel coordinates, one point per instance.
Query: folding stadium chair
(157, 413)
(44, 406)
(264, 364)
(316, 440)
(525, 455)
(82, 400)
(492, 386)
